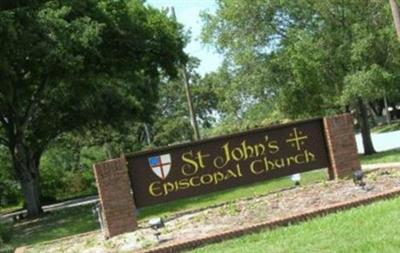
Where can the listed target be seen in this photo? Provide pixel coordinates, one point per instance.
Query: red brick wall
(116, 197)
(342, 146)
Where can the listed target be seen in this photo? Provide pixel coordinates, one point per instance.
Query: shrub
(5, 233)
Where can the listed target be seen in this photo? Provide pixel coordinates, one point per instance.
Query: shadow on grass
(394, 126)
(52, 226)
(381, 157)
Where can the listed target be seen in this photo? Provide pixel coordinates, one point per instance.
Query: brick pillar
(341, 145)
(116, 198)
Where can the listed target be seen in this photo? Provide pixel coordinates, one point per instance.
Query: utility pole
(192, 113)
(396, 17)
(147, 133)
(387, 113)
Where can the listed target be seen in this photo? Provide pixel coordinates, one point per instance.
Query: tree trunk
(30, 189)
(387, 112)
(374, 117)
(396, 16)
(26, 164)
(365, 129)
(147, 133)
(109, 150)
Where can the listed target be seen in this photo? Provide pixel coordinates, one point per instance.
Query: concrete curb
(20, 250)
(377, 166)
(218, 237)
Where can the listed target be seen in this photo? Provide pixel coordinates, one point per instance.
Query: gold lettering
(239, 170)
(290, 159)
(280, 163)
(229, 174)
(220, 161)
(191, 167)
(184, 184)
(297, 159)
(248, 151)
(253, 168)
(204, 177)
(218, 177)
(309, 156)
(239, 156)
(192, 183)
(273, 147)
(201, 157)
(168, 187)
(268, 164)
(153, 187)
(259, 149)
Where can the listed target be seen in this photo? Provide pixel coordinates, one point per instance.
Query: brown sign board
(215, 164)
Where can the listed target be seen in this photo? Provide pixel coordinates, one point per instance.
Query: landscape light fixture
(296, 179)
(358, 176)
(96, 210)
(155, 224)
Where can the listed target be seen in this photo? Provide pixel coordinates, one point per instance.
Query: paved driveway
(382, 142)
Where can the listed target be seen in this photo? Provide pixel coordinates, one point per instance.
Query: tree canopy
(310, 57)
(69, 65)
(13, 4)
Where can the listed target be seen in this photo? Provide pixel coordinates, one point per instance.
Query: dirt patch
(232, 215)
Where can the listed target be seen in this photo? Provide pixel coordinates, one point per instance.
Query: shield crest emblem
(160, 165)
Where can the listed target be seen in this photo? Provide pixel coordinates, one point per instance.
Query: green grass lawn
(374, 228)
(10, 209)
(79, 220)
(52, 226)
(394, 126)
(382, 157)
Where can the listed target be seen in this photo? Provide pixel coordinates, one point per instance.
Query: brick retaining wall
(116, 198)
(342, 147)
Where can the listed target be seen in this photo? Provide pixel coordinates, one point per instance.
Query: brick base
(116, 198)
(342, 146)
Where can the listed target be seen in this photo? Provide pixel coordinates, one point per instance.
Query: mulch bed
(234, 215)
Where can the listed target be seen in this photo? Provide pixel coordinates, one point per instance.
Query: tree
(70, 65)
(396, 16)
(9, 187)
(13, 4)
(172, 122)
(307, 56)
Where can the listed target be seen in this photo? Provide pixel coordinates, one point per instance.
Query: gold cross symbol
(296, 140)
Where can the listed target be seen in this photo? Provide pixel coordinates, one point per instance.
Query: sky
(188, 13)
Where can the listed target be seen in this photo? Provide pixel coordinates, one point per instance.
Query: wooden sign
(224, 162)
